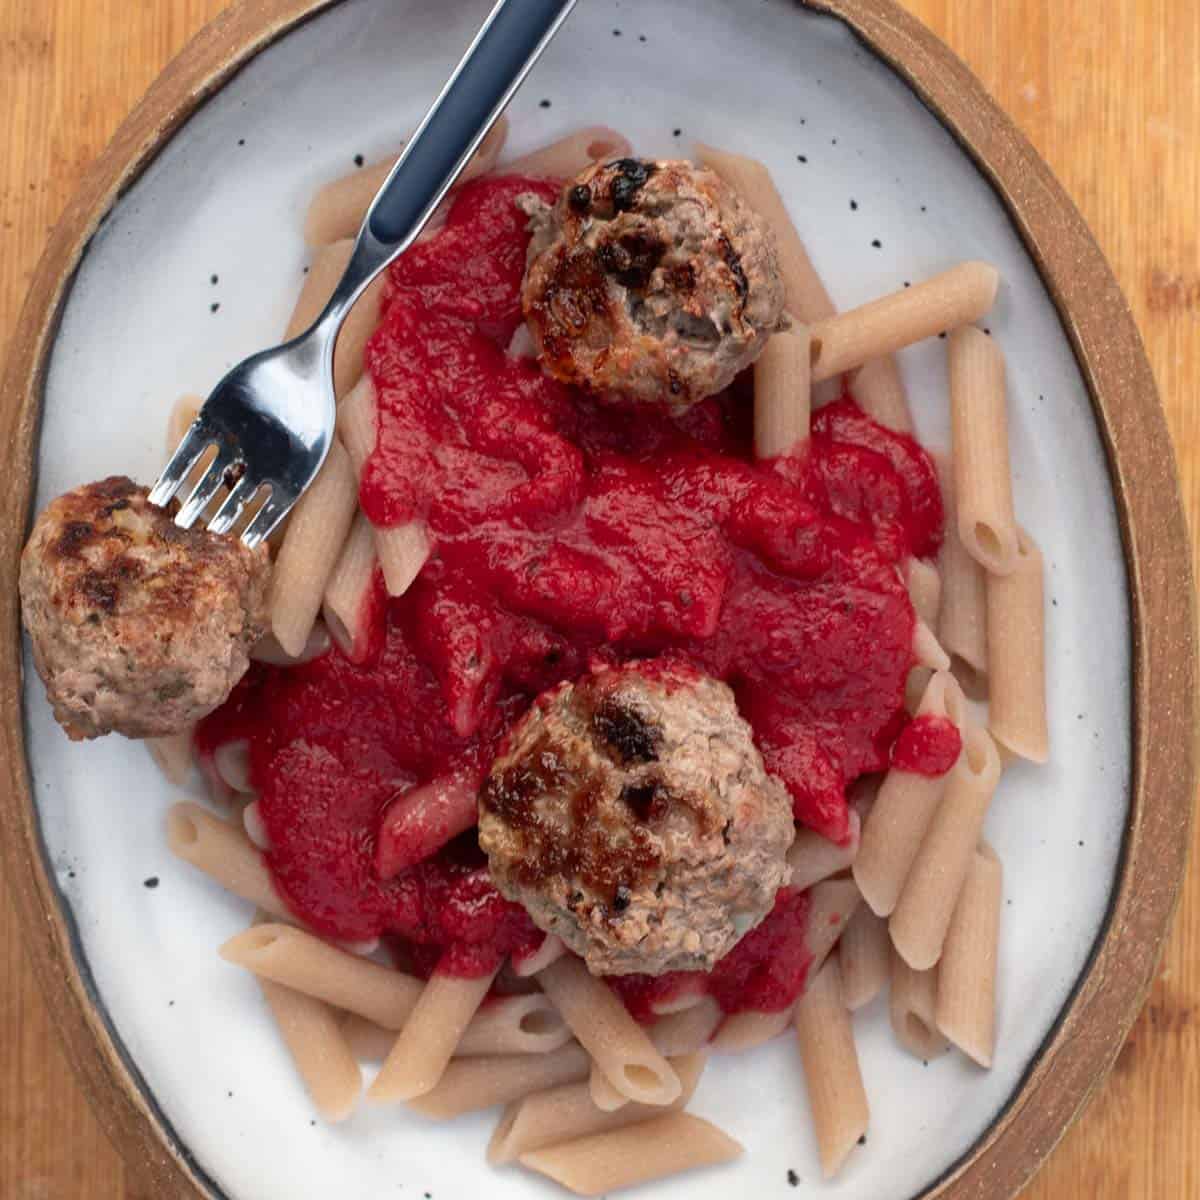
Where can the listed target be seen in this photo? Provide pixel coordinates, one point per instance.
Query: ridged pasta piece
(348, 602)
(962, 621)
(912, 1003)
(863, 954)
(570, 155)
(781, 395)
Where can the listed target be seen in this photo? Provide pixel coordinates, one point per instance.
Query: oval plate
(173, 1046)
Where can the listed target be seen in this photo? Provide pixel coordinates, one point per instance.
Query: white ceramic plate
(882, 194)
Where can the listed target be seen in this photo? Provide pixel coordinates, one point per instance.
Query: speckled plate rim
(1079, 1051)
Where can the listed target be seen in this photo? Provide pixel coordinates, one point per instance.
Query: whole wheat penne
(306, 963)
(962, 621)
(879, 390)
(883, 326)
(402, 549)
(427, 1042)
(368, 1042)
(338, 209)
(914, 687)
(919, 923)
(569, 155)
(551, 949)
(863, 954)
(691, 1029)
(231, 761)
(422, 820)
(831, 904)
(813, 857)
(903, 810)
(924, 583)
(473, 1084)
(515, 1025)
(686, 991)
(641, 1153)
(781, 395)
(360, 322)
(313, 1038)
(982, 471)
(610, 1035)
(268, 650)
(807, 298)
(927, 650)
(1016, 609)
(565, 1113)
(832, 1076)
(224, 853)
(912, 1003)
(349, 602)
(748, 1030)
(966, 990)
(604, 1095)
(315, 537)
(253, 824)
(172, 755)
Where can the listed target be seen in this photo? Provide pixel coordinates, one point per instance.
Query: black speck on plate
(241, 141)
(214, 306)
(359, 160)
(877, 243)
(801, 158)
(792, 1178)
(151, 883)
(543, 104)
(853, 205)
(214, 280)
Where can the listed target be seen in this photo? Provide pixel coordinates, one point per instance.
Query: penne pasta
(956, 297)
(610, 1035)
(921, 918)
(231, 761)
(224, 853)
(781, 395)
(252, 822)
(832, 1076)
(430, 1036)
(604, 1096)
(422, 820)
(473, 1084)
(813, 857)
(314, 539)
(966, 989)
(863, 955)
(879, 390)
(924, 584)
(565, 1113)
(268, 650)
(807, 299)
(515, 1025)
(914, 688)
(987, 527)
(640, 1153)
(570, 155)
(549, 951)
(927, 650)
(962, 621)
(172, 755)
(311, 1033)
(306, 963)
(912, 1001)
(831, 905)
(905, 806)
(338, 209)
(356, 423)
(687, 1031)
(748, 1030)
(348, 605)
(368, 1042)
(1016, 620)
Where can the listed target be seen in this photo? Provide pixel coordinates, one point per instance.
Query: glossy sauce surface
(568, 531)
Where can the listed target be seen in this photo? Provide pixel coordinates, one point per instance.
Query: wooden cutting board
(1110, 96)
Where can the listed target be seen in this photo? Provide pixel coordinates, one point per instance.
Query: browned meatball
(651, 279)
(138, 627)
(631, 815)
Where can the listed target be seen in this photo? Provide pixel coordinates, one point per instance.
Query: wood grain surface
(1110, 97)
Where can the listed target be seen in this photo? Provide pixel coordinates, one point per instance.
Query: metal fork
(272, 417)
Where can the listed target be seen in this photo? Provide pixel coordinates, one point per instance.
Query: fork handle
(492, 69)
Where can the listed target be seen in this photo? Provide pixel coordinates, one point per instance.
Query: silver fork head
(271, 420)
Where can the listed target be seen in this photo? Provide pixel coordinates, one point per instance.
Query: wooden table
(1110, 95)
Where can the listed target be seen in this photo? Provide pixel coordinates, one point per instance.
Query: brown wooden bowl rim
(1081, 1048)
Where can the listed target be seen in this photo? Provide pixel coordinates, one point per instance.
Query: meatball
(138, 626)
(651, 279)
(631, 815)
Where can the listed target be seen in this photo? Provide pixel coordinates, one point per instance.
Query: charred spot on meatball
(630, 813)
(137, 626)
(651, 280)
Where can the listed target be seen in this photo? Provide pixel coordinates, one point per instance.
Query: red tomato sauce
(567, 531)
(928, 745)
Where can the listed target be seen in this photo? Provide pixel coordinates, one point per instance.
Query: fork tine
(272, 512)
(206, 488)
(195, 441)
(232, 507)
